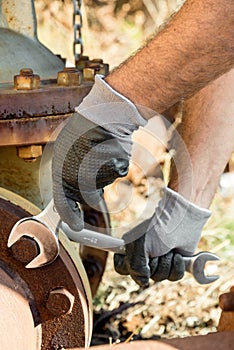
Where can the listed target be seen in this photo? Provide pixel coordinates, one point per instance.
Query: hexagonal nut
(29, 153)
(69, 77)
(103, 68)
(90, 72)
(26, 80)
(25, 249)
(60, 301)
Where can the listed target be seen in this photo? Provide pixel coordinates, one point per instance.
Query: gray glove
(92, 150)
(175, 226)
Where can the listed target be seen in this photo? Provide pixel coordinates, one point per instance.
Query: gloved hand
(92, 150)
(154, 247)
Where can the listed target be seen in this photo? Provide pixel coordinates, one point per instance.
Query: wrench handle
(95, 239)
(105, 242)
(188, 261)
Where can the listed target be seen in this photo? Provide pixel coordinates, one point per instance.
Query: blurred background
(112, 29)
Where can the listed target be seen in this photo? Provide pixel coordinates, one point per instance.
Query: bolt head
(26, 80)
(69, 77)
(60, 302)
(25, 249)
(89, 73)
(29, 153)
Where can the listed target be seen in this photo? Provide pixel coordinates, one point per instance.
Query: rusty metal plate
(54, 326)
(29, 131)
(30, 117)
(49, 99)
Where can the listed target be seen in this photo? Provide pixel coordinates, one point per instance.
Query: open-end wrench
(44, 228)
(194, 264)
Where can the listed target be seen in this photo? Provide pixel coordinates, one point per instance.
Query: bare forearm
(204, 142)
(196, 47)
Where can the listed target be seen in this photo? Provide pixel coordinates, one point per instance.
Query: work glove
(92, 150)
(155, 247)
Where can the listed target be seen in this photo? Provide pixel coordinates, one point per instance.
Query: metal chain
(77, 26)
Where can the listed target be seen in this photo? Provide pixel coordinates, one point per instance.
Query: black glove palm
(141, 267)
(86, 159)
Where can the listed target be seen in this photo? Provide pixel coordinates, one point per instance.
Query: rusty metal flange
(52, 303)
(31, 116)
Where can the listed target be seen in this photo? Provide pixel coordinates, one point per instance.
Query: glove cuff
(178, 224)
(193, 210)
(106, 107)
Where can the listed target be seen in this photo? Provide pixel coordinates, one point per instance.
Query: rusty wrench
(44, 229)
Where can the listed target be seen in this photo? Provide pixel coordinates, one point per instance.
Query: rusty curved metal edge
(67, 267)
(29, 131)
(217, 341)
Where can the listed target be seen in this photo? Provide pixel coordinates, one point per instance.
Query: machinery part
(29, 153)
(21, 51)
(217, 341)
(20, 176)
(60, 302)
(26, 80)
(69, 77)
(25, 249)
(15, 299)
(11, 16)
(28, 291)
(226, 303)
(30, 117)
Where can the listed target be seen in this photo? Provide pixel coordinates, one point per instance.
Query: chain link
(77, 27)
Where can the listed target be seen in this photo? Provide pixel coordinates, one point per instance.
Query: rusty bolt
(90, 72)
(29, 153)
(69, 77)
(60, 302)
(103, 67)
(25, 249)
(26, 80)
(97, 60)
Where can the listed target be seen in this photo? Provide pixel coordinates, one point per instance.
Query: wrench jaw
(198, 268)
(43, 235)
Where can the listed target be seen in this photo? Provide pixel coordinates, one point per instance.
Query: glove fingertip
(120, 264)
(141, 281)
(178, 268)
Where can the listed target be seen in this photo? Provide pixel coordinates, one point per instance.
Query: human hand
(92, 150)
(154, 247)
